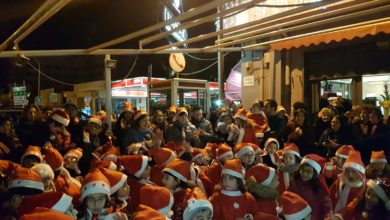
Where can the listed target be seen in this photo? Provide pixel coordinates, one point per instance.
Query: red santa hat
(181, 110)
(242, 149)
(33, 151)
(172, 109)
(381, 187)
(54, 158)
(158, 198)
(144, 212)
(93, 183)
(263, 174)
(344, 150)
(162, 155)
(291, 148)
(57, 201)
(233, 168)
(117, 179)
(181, 169)
(134, 164)
(44, 170)
(211, 149)
(195, 201)
(71, 188)
(241, 114)
(355, 161)
(61, 117)
(256, 148)
(96, 120)
(224, 150)
(40, 213)
(293, 206)
(378, 157)
(105, 164)
(107, 152)
(127, 107)
(197, 152)
(271, 140)
(139, 113)
(314, 161)
(26, 178)
(76, 152)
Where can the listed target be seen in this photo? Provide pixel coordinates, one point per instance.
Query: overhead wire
(47, 76)
(201, 70)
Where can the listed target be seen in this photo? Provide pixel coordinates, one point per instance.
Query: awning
(337, 36)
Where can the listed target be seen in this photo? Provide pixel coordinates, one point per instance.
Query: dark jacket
(134, 135)
(304, 142)
(206, 126)
(319, 128)
(278, 126)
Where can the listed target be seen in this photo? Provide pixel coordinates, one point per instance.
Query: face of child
(248, 158)
(351, 174)
(374, 118)
(289, 159)
(378, 166)
(271, 148)
(371, 197)
(203, 214)
(170, 182)
(146, 173)
(306, 172)
(229, 183)
(340, 161)
(30, 161)
(300, 118)
(96, 202)
(182, 118)
(124, 190)
(199, 161)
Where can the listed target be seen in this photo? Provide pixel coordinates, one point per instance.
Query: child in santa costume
(71, 160)
(378, 166)
(258, 116)
(31, 156)
(95, 196)
(246, 154)
(40, 213)
(59, 136)
(311, 186)
(374, 205)
(119, 189)
(243, 130)
(290, 163)
(262, 182)
(137, 168)
(200, 158)
(47, 175)
(350, 183)
(213, 172)
(294, 207)
(161, 157)
(197, 206)
(157, 198)
(232, 201)
(335, 166)
(270, 157)
(144, 212)
(57, 201)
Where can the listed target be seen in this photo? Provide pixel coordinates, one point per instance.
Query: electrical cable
(201, 59)
(49, 77)
(201, 70)
(130, 70)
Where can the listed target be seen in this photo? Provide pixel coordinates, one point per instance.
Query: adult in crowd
(123, 123)
(10, 146)
(299, 132)
(203, 126)
(75, 127)
(322, 122)
(276, 122)
(29, 127)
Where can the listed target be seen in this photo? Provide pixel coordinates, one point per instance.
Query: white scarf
(241, 136)
(343, 192)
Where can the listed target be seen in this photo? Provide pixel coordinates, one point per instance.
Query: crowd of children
(243, 169)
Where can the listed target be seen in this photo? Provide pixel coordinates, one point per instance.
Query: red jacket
(135, 187)
(267, 206)
(206, 185)
(261, 123)
(213, 172)
(230, 205)
(156, 175)
(337, 189)
(331, 171)
(249, 135)
(320, 202)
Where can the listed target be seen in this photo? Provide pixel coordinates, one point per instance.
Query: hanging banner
(19, 95)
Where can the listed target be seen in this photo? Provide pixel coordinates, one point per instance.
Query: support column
(107, 74)
(221, 65)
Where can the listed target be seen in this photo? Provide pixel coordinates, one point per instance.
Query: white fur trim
(381, 160)
(197, 156)
(63, 204)
(269, 141)
(44, 170)
(270, 177)
(75, 181)
(292, 152)
(231, 193)
(356, 166)
(181, 111)
(244, 150)
(241, 117)
(112, 166)
(340, 216)
(259, 135)
(171, 157)
(225, 155)
(378, 190)
(145, 160)
(175, 174)
(119, 184)
(299, 215)
(194, 205)
(96, 121)
(312, 163)
(328, 166)
(342, 155)
(167, 209)
(26, 184)
(233, 173)
(72, 155)
(60, 119)
(94, 188)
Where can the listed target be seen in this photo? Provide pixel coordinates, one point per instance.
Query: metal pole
(221, 63)
(107, 74)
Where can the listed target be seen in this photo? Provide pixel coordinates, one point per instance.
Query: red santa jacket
(267, 206)
(71, 188)
(340, 192)
(179, 203)
(230, 205)
(205, 184)
(135, 187)
(156, 175)
(331, 171)
(260, 121)
(320, 202)
(213, 172)
(249, 135)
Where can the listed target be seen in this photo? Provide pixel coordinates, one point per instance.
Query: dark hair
(378, 113)
(240, 183)
(299, 105)
(83, 207)
(298, 111)
(197, 108)
(272, 103)
(314, 181)
(47, 108)
(343, 121)
(181, 184)
(136, 122)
